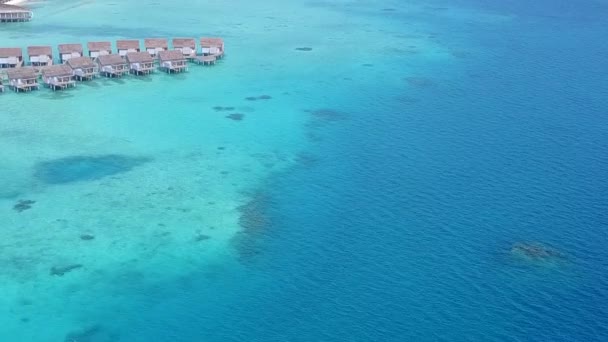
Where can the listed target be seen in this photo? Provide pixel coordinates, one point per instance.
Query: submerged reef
(85, 168)
(536, 252)
(304, 48)
(23, 205)
(254, 221)
(235, 116)
(61, 270)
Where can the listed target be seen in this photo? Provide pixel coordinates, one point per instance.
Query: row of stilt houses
(102, 59)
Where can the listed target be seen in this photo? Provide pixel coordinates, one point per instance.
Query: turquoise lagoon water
(374, 196)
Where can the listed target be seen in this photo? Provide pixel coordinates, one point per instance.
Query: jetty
(112, 65)
(40, 55)
(11, 57)
(22, 79)
(69, 51)
(12, 13)
(140, 63)
(59, 76)
(97, 49)
(126, 46)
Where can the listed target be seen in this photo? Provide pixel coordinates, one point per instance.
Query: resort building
(172, 61)
(40, 55)
(11, 57)
(22, 79)
(97, 49)
(58, 76)
(11, 13)
(156, 45)
(126, 46)
(84, 68)
(112, 65)
(186, 45)
(212, 46)
(140, 63)
(68, 51)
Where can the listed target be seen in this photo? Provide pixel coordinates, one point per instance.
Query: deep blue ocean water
(397, 222)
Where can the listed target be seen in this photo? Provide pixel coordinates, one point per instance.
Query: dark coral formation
(87, 237)
(254, 222)
(235, 116)
(201, 237)
(261, 97)
(62, 270)
(222, 109)
(305, 48)
(85, 168)
(23, 205)
(536, 252)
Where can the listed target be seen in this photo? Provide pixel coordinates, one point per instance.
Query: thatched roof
(110, 60)
(39, 50)
(184, 42)
(21, 73)
(99, 46)
(4, 8)
(126, 44)
(69, 48)
(139, 57)
(171, 55)
(156, 43)
(11, 52)
(81, 62)
(57, 70)
(209, 41)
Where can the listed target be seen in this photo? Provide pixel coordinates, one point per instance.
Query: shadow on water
(85, 168)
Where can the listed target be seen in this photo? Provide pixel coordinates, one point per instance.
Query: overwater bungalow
(172, 61)
(97, 49)
(126, 46)
(186, 45)
(68, 51)
(1, 86)
(140, 63)
(156, 45)
(84, 68)
(11, 13)
(22, 79)
(59, 76)
(212, 46)
(11, 57)
(40, 55)
(112, 65)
